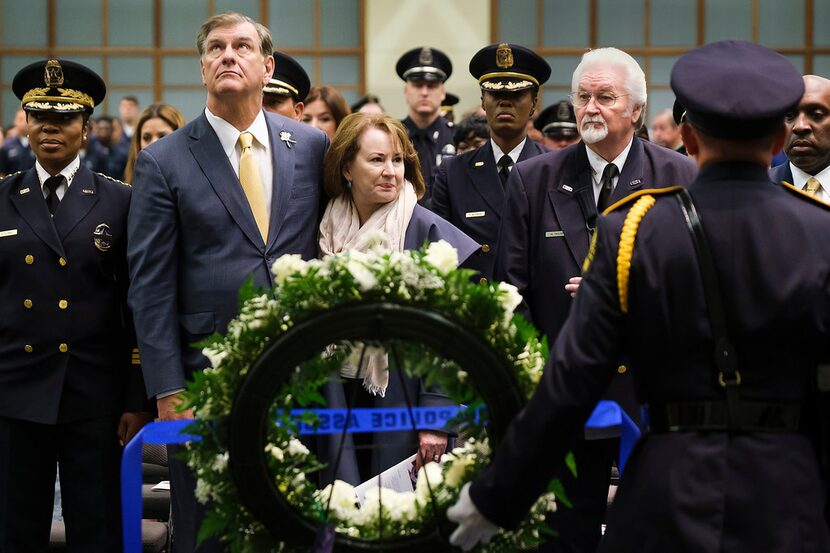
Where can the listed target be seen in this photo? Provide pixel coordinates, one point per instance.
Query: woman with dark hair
(325, 108)
(372, 175)
(155, 122)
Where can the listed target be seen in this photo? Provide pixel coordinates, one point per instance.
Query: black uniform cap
(58, 85)
(289, 78)
(368, 99)
(557, 120)
(735, 89)
(508, 67)
(449, 101)
(425, 63)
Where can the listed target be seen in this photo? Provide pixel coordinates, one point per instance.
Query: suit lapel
(484, 178)
(631, 175)
(208, 152)
(79, 199)
(573, 203)
(29, 202)
(283, 159)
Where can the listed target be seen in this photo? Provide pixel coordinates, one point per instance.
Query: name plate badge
(10, 232)
(554, 233)
(473, 214)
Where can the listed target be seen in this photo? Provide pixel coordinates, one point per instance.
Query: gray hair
(227, 19)
(635, 79)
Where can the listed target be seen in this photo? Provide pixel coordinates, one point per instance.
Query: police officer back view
(728, 463)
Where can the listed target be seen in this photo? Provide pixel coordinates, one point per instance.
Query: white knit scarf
(341, 230)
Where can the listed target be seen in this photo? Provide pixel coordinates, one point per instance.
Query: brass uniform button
(27, 303)
(482, 280)
(28, 348)
(485, 248)
(62, 262)
(622, 369)
(63, 304)
(63, 348)
(29, 259)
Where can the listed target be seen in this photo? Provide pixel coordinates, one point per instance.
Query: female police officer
(69, 373)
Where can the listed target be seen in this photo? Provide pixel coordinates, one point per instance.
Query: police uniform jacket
(66, 346)
(546, 227)
(433, 144)
(691, 490)
(781, 173)
(14, 156)
(469, 193)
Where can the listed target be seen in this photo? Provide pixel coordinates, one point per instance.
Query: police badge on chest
(102, 237)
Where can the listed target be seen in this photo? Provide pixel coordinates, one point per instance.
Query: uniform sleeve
(151, 253)
(513, 248)
(580, 368)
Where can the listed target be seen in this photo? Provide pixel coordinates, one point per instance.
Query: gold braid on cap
(276, 86)
(626, 249)
(509, 74)
(67, 96)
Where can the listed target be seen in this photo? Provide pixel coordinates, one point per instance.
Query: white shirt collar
(68, 171)
(229, 135)
(598, 163)
(514, 153)
(800, 178)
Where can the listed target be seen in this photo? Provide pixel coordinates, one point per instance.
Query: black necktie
(606, 185)
(505, 163)
(52, 200)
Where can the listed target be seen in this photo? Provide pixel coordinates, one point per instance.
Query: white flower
(457, 469)
(214, 355)
(362, 275)
(378, 241)
(220, 463)
(296, 447)
(461, 375)
(430, 472)
(510, 299)
(202, 491)
(442, 256)
(287, 265)
(275, 452)
(343, 499)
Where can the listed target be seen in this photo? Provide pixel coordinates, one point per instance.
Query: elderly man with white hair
(549, 217)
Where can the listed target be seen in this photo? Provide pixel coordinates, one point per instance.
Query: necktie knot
(51, 185)
(606, 184)
(609, 172)
(246, 140)
(504, 164)
(813, 186)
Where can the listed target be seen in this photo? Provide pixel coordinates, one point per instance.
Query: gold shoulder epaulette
(639, 194)
(627, 237)
(10, 175)
(112, 179)
(804, 195)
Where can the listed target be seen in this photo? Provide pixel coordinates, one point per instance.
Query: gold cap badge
(53, 73)
(504, 56)
(425, 58)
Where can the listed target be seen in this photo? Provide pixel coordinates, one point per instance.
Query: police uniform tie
(251, 181)
(606, 184)
(812, 187)
(505, 163)
(51, 185)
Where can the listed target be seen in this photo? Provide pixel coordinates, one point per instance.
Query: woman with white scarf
(373, 177)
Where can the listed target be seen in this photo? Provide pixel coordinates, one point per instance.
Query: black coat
(434, 144)
(691, 491)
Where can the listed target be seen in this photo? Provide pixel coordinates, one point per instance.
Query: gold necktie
(251, 182)
(812, 187)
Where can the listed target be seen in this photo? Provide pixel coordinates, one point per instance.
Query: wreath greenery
(425, 278)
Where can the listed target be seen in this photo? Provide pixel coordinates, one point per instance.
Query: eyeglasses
(605, 99)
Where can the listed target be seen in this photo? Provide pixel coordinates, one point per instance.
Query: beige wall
(457, 27)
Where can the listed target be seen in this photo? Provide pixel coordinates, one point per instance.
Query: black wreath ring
(488, 374)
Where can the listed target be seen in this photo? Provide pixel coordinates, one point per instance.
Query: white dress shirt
(68, 172)
(598, 164)
(229, 138)
(800, 178)
(514, 153)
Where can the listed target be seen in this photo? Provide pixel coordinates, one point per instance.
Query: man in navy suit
(808, 142)
(206, 217)
(550, 214)
(15, 152)
(469, 189)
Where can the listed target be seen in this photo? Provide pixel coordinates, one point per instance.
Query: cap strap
(424, 69)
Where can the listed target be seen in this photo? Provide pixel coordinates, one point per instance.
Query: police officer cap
(508, 68)
(58, 85)
(368, 99)
(449, 101)
(289, 78)
(557, 120)
(425, 63)
(736, 89)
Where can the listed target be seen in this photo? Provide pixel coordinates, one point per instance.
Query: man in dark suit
(15, 153)
(808, 142)
(551, 211)
(424, 70)
(69, 373)
(728, 360)
(469, 189)
(216, 203)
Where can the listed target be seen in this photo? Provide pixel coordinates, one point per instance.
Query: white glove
(473, 528)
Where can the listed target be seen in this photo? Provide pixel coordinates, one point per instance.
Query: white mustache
(594, 119)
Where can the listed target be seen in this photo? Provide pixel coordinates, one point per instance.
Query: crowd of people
(704, 299)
